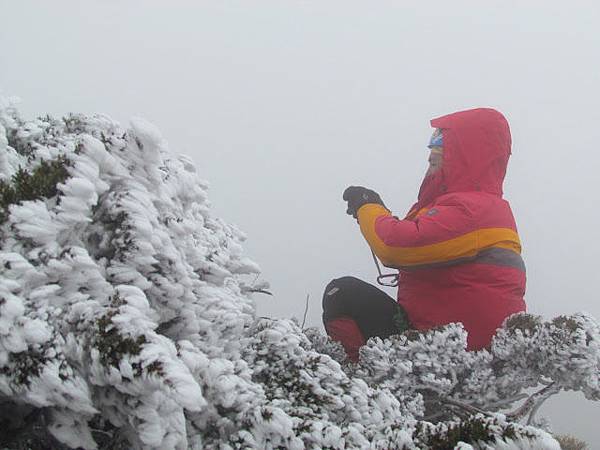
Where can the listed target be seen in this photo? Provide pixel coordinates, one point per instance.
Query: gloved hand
(357, 196)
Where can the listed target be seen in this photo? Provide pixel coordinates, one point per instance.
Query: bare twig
(305, 311)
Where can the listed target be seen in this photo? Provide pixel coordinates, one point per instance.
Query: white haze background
(282, 104)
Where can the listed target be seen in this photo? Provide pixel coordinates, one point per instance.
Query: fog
(283, 104)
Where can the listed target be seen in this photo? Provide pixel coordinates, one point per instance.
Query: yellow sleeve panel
(464, 246)
(367, 215)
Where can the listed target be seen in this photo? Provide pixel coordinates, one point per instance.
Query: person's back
(457, 250)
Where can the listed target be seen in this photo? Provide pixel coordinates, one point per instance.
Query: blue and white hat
(437, 139)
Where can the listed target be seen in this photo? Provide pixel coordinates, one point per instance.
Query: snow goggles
(437, 139)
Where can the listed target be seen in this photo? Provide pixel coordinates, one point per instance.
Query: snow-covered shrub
(121, 297)
(126, 321)
(568, 442)
(526, 353)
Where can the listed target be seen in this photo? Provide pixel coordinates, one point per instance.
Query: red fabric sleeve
(450, 230)
(439, 224)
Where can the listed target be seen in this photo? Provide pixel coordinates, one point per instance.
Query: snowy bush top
(126, 321)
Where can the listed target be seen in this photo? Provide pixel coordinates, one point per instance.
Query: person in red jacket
(457, 251)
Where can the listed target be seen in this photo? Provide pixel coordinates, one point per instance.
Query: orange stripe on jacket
(465, 245)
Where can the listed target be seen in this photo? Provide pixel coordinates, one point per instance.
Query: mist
(282, 105)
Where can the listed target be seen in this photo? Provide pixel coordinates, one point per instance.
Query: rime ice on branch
(121, 297)
(126, 322)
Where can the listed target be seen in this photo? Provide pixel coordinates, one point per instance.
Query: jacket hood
(477, 145)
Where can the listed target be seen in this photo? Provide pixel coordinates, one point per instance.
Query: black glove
(357, 196)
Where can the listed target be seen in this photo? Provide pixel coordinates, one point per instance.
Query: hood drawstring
(381, 279)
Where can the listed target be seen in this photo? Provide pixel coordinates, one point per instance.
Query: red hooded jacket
(457, 250)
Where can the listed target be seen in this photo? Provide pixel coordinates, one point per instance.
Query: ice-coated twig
(538, 404)
(260, 291)
(533, 403)
(465, 406)
(305, 311)
(505, 402)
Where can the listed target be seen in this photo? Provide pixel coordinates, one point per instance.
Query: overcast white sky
(282, 104)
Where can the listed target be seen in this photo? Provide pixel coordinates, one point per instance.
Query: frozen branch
(505, 403)
(260, 291)
(533, 403)
(305, 311)
(464, 406)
